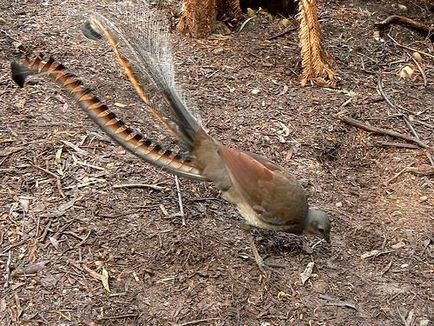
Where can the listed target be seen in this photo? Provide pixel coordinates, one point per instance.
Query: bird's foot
(263, 264)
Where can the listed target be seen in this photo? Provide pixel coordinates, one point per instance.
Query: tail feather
(92, 30)
(142, 147)
(141, 46)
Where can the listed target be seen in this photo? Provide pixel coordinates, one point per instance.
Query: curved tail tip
(19, 73)
(90, 32)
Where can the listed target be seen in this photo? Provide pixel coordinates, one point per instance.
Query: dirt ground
(65, 217)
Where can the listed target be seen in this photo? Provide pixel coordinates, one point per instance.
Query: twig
(410, 126)
(425, 170)
(285, 31)
(245, 23)
(198, 321)
(406, 120)
(422, 170)
(8, 270)
(425, 81)
(394, 144)
(422, 29)
(386, 98)
(132, 315)
(46, 171)
(415, 134)
(9, 35)
(409, 48)
(337, 302)
(181, 207)
(139, 185)
(378, 130)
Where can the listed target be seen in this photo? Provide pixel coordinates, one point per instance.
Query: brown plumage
(265, 195)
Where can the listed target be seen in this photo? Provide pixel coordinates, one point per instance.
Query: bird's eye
(320, 229)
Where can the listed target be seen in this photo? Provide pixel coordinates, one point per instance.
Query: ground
(64, 219)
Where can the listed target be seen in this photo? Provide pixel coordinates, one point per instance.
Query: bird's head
(317, 223)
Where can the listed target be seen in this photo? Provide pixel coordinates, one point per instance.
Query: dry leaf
(120, 105)
(285, 22)
(255, 91)
(370, 254)
(25, 203)
(251, 12)
(403, 8)
(307, 272)
(406, 72)
(105, 279)
(58, 161)
(54, 242)
(417, 57)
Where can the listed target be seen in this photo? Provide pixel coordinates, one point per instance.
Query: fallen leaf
(251, 12)
(307, 272)
(370, 254)
(285, 22)
(58, 161)
(255, 91)
(120, 105)
(54, 242)
(417, 57)
(406, 72)
(25, 203)
(105, 279)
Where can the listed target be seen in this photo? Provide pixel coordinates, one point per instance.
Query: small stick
(409, 48)
(422, 29)
(8, 270)
(198, 321)
(132, 315)
(378, 130)
(423, 170)
(410, 126)
(400, 145)
(138, 185)
(386, 98)
(397, 175)
(181, 207)
(285, 31)
(415, 134)
(406, 120)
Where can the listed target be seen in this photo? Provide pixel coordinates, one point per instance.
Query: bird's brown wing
(277, 199)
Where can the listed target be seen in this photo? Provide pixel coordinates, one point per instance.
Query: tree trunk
(200, 16)
(318, 65)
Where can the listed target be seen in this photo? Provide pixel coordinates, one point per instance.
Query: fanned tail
(140, 146)
(141, 46)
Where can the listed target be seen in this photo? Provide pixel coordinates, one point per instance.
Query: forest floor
(66, 215)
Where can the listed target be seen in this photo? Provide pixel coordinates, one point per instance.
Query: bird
(265, 195)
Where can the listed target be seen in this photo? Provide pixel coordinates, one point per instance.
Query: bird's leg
(262, 264)
(258, 259)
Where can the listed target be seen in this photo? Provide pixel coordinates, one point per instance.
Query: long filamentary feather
(95, 30)
(142, 147)
(145, 46)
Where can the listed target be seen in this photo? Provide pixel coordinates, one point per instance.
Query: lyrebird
(265, 195)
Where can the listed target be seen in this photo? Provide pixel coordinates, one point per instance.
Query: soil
(64, 220)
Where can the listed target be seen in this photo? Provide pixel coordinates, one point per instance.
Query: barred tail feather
(144, 148)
